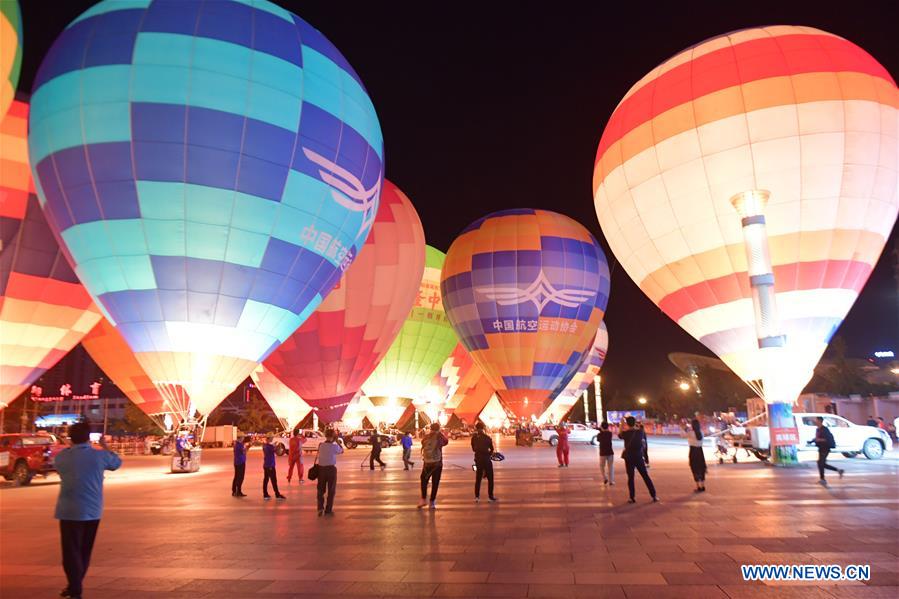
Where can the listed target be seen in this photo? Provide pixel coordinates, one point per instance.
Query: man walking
(375, 455)
(327, 472)
(80, 503)
(268, 469)
(240, 466)
(295, 455)
(825, 442)
(482, 446)
(407, 451)
(432, 454)
(606, 454)
(633, 458)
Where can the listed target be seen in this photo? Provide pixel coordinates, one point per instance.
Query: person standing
(240, 466)
(295, 455)
(562, 447)
(645, 444)
(825, 442)
(407, 451)
(375, 455)
(432, 454)
(182, 448)
(482, 446)
(697, 457)
(606, 454)
(633, 458)
(79, 506)
(327, 472)
(268, 469)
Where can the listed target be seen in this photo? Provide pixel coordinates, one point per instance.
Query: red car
(24, 455)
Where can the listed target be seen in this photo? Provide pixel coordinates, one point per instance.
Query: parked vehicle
(313, 438)
(577, 433)
(458, 433)
(851, 439)
(23, 456)
(363, 437)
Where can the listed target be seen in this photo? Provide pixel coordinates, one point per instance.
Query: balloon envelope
(44, 310)
(797, 112)
(328, 358)
(107, 348)
(581, 379)
(212, 168)
(287, 405)
(10, 52)
(423, 344)
(452, 373)
(525, 290)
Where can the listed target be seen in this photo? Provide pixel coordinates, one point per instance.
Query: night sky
(493, 105)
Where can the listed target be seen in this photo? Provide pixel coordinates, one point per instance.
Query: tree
(135, 421)
(257, 417)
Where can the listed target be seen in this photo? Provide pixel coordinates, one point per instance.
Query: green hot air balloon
(424, 343)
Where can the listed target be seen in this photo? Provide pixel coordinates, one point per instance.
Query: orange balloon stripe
(717, 264)
(732, 101)
(41, 289)
(735, 65)
(108, 349)
(827, 274)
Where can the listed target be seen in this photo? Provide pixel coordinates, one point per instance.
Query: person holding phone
(633, 458)
(79, 506)
(327, 472)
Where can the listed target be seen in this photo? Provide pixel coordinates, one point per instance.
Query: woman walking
(562, 448)
(327, 471)
(697, 457)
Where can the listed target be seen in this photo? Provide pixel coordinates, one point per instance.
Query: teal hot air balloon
(211, 168)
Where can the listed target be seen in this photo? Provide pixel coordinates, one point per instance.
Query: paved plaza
(554, 533)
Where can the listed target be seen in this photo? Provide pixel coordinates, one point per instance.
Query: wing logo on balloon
(541, 293)
(348, 190)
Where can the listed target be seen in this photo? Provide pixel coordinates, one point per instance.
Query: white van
(851, 439)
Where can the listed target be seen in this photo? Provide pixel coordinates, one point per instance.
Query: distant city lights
(885, 354)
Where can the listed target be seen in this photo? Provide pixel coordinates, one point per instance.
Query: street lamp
(641, 401)
(684, 386)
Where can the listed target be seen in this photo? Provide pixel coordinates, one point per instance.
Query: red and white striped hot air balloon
(748, 185)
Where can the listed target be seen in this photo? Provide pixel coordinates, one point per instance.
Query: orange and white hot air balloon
(748, 185)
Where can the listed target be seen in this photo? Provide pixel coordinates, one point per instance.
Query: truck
(219, 436)
(851, 439)
(23, 456)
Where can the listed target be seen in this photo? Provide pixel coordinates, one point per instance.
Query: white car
(576, 433)
(313, 439)
(851, 439)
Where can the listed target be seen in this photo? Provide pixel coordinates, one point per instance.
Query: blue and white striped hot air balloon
(210, 168)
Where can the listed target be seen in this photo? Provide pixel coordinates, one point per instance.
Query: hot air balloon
(581, 379)
(328, 358)
(10, 52)
(287, 405)
(424, 342)
(748, 185)
(44, 310)
(212, 168)
(525, 290)
(110, 352)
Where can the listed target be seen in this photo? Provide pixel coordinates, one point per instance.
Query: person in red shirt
(562, 448)
(295, 455)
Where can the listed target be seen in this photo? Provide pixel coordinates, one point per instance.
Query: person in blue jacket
(406, 442)
(268, 469)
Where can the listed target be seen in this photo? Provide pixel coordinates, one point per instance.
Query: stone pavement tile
(481, 590)
(748, 591)
(7, 569)
(594, 566)
(675, 592)
(364, 575)
(622, 578)
(112, 593)
(284, 574)
(392, 589)
(505, 577)
(56, 581)
(305, 588)
(627, 566)
(594, 591)
(442, 576)
(155, 584)
(883, 578)
(863, 592)
(879, 566)
(718, 578)
(407, 564)
(689, 556)
(232, 587)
